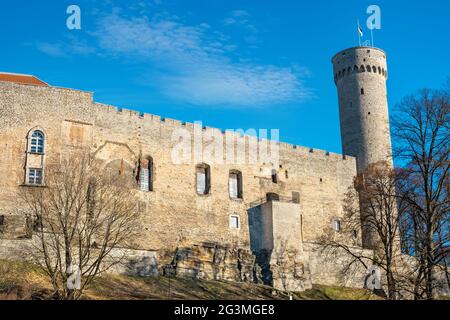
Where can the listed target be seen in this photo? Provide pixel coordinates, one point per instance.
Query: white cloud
(198, 62)
(65, 48)
(51, 49)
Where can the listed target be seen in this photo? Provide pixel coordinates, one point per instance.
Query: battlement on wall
(141, 117)
(173, 123)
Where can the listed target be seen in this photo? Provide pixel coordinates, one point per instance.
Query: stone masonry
(309, 187)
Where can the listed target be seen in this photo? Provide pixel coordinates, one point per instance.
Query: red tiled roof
(22, 79)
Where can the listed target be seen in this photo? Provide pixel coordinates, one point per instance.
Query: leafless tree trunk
(421, 128)
(378, 215)
(83, 214)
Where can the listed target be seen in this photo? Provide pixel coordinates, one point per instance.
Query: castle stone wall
(173, 212)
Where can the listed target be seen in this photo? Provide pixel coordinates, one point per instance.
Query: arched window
(369, 69)
(37, 142)
(146, 175)
(379, 70)
(355, 69)
(362, 69)
(203, 179)
(349, 70)
(235, 184)
(374, 69)
(272, 197)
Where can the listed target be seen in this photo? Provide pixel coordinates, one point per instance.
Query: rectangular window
(36, 148)
(295, 197)
(35, 176)
(337, 225)
(145, 180)
(274, 176)
(234, 222)
(234, 186)
(201, 180)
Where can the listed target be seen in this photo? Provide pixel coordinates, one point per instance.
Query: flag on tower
(360, 30)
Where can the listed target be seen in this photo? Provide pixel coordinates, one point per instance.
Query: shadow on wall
(143, 267)
(134, 262)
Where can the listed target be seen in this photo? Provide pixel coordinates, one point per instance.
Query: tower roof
(22, 79)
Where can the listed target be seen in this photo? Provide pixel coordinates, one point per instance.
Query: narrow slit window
(362, 91)
(337, 225)
(274, 176)
(146, 175)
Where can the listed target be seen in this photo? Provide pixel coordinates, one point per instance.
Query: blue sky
(231, 64)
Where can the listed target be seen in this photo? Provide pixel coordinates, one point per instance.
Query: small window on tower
(362, 91)
(337, 225)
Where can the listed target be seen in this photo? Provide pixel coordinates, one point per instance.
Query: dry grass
(21, 280)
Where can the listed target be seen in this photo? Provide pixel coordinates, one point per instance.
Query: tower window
(203, 179)
(362, 91)
(337, 225)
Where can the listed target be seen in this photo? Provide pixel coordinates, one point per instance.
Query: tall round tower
(360, 75)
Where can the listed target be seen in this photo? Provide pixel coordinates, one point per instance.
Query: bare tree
(421, 128)
(377, 216)
(83, 217)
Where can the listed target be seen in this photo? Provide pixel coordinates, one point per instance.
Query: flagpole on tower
(371, 36)
(359, 33)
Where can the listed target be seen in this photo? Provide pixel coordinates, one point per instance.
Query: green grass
(21, 280)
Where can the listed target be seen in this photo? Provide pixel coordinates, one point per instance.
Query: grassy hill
(21, 280)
